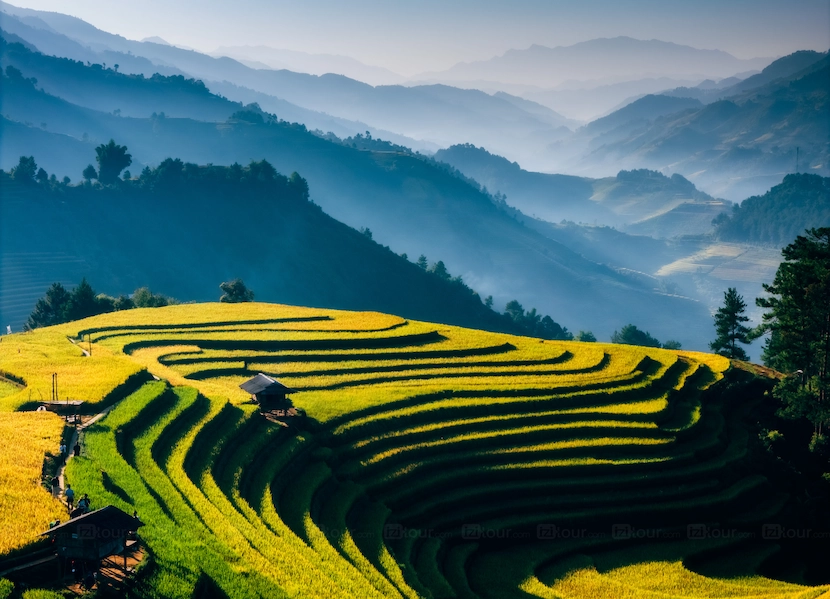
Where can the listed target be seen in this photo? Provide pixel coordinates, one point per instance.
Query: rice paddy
(424, 460)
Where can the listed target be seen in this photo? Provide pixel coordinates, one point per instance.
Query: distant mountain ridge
(435, 114)
(313, 64)
(751, 135)
(604, 57)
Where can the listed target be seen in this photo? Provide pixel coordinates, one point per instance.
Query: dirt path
(77, 436)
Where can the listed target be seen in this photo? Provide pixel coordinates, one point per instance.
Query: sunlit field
(425, 460)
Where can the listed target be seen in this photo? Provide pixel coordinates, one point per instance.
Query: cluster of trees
(28, 173)
(535, 324)
(631, 335)
(112, 159)
(59, 305)
(797, 322)
(174, 175)
(235, 291)
(781, 214)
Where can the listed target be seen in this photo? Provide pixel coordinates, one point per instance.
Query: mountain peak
(154, 39)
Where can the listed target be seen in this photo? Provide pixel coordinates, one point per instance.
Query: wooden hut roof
(105, 518)
(261, 382)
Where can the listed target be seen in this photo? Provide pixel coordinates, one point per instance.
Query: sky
(415, 36)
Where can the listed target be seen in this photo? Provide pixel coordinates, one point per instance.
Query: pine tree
(83, 302)
(729, 326)
(631, 335)
(51, 308)
(799, 322)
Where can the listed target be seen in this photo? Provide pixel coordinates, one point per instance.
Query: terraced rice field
(431, 461)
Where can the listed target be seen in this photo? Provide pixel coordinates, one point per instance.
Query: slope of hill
(549, 197)
(106, 90)
(419, 461)
(801, 201)
(410, 203)
(313, 64)
(184, 229)
(639, 112)
(754, 134)
(103, 89)
(782, 68)
(630, 197)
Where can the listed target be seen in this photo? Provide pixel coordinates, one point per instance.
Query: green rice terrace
(409, 460)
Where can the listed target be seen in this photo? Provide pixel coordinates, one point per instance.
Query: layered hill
(410, 203)
(184, 229)
(752, 135)
(415, 460)
(626, 200)
(436, 114)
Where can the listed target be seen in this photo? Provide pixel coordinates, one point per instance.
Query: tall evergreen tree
(798, 319)
(51, 309)
(83, 302)
(730, 327)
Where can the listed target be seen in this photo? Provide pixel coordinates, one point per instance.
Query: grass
(418, 426)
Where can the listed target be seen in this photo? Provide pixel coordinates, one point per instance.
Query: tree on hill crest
(730, 329)
(112, 159)
(235, 292)
(798, 320)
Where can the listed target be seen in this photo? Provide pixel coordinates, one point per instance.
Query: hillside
(751, 136)
(183, 229)
(630, 197)
(546, 196)
(782, 68)
(426, 462)
(800, 202)
(145, 92)
(635, 115)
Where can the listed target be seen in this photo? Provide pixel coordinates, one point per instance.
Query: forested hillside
(183, 229)
(801, 201)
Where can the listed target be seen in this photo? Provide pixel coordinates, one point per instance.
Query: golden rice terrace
(414, 460)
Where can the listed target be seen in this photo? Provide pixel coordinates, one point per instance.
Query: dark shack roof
(108, 518)
(262, 382)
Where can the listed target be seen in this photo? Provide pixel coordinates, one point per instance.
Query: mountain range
(611, 59)
(728, 153)
(408, 201)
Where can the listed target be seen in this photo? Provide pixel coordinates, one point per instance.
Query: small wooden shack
(269, 393)
(95, 535)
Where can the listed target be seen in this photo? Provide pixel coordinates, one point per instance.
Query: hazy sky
(411, 36)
